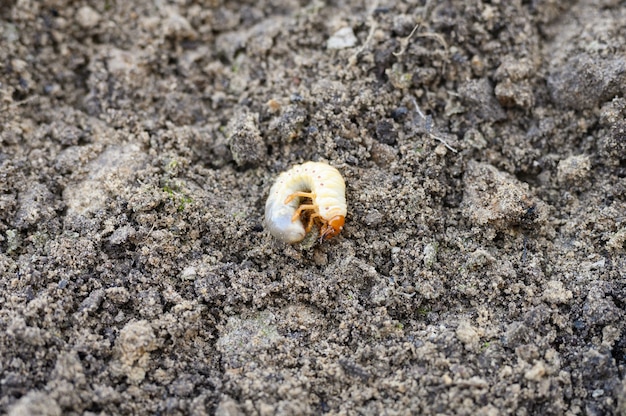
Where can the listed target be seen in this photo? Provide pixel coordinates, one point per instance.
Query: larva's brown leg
(290, 198)
(301, 208)
(311, 221)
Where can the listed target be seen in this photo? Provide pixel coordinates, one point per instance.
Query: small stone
(499, 199)
(383, 154)
(399, 114)
(480, 99)
(480, 258)
(188, 273)
(117, 295)
(554, 292)
(617, 241)
(429, 255)
(228, 407)
(573, 169)
(92, 302)
(245, 141)
(35, 206)
(610, 335)
(209, 286)
(373, 218)
(597, 393)
(385, 132)
(288, 125)
(515, 94)
(177, 26)
(35, 403)
(87, 18)
(122, 234)
(467, 334)
(585, 80)
(134, 344)
(537, 372)
(341, 39)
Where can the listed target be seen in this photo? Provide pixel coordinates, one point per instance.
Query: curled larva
(323, 186)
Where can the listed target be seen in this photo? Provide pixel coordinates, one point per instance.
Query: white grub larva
(317, 181)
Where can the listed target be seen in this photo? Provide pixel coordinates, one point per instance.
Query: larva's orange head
(332, 227)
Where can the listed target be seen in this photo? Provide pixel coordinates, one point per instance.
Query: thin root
(373, 25)
(311, 222)
(430, 133)
(405, 42)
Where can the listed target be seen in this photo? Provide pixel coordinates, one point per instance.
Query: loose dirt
(482, 268)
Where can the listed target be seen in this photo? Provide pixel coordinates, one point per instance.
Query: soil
(482, 267)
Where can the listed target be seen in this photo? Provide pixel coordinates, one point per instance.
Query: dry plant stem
(428, 130)
(436, 36)
(405, 42)
(423, 15)
(373, 25)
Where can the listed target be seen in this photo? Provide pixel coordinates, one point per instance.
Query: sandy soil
(482, 269)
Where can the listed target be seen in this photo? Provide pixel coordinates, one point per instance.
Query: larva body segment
(326, 189)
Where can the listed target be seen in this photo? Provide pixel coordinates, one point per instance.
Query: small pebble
(87, 17)
(342, 39)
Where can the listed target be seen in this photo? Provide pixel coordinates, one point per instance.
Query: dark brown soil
(482, 268)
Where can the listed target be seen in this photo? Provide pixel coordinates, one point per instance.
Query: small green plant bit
(176, 195)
